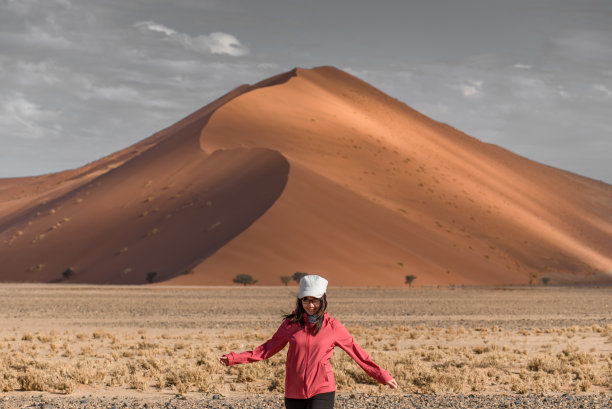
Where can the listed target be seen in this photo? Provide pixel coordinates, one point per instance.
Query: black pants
(320, 401)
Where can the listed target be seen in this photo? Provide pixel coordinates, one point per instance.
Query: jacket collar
(325, 318)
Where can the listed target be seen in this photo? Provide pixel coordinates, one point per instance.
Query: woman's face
(311, 305)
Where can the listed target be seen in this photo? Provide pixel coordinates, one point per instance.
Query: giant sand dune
(313, 171)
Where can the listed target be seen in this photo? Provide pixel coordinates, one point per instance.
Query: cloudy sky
(83, 78)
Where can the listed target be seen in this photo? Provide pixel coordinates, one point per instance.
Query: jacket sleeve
(345, 341)
(264, 351)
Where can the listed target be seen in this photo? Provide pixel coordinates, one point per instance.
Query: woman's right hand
(224, 360)
(392, 384)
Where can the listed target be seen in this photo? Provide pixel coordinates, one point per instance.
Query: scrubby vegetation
(423, 360)
(451, 341)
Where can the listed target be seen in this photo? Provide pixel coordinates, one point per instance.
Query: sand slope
(315, 171)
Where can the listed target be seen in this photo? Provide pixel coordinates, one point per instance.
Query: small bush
(66, 274)
(244, 279)
(298, 276)
(410, 279)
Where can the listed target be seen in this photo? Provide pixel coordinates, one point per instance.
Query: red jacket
(308, 370)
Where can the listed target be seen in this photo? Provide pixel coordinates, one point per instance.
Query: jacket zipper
(307, 358)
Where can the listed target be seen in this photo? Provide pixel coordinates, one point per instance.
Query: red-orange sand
(313, 171)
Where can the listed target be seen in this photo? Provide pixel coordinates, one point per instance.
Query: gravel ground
(348, 401)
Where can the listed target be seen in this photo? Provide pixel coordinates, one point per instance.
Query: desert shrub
(87, 372)
(285, 279)
(49, 378)
(67, 273)
(244, 279)
(187, 377)
(298, 276)
(277, 383)
(410, 279)
(151, 276)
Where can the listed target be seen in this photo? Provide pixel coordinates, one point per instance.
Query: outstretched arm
(264, 351)
(344, 340)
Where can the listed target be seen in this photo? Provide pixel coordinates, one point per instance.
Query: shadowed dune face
(124, 225)
(376, 192)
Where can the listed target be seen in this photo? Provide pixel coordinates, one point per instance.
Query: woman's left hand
(392, 384)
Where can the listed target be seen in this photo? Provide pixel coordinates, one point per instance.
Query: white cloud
(122, 95)
(151, 25)
(20, 116)
(214, 43)
(584, 45)
(38, 36)
(522, 66)
(28, 73)
(531, 88)
(222, 43)
(19, 107)
(472, 89)
(25, 7)
(563, 92)
(115, 94)
(469, 90)
(603, 90)
(268, 66)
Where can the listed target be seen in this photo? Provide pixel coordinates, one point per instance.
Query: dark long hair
(298, 314)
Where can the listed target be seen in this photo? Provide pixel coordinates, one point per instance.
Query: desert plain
(65, 345)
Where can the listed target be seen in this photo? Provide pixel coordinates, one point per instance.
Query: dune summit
(313, 171)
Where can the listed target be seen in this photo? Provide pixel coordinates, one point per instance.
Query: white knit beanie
(312, 286)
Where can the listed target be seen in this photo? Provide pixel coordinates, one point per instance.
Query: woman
(312, 335)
